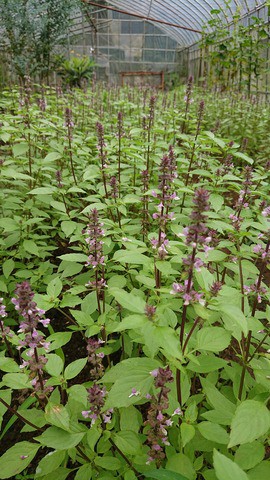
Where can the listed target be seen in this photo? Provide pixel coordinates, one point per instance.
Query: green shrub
(76, 71)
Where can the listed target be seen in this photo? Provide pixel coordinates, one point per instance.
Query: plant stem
(190, 333)
(200, 115)
(178, 387)
(184, 315)
(71, 156)
(138, 474)
(9, 349)
(248, 342)
(15, 412)
(258, 346)
(83, 455)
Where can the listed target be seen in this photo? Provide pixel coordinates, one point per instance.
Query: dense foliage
(234, 54)
(135, 285)
(31, 30)
(76, 72)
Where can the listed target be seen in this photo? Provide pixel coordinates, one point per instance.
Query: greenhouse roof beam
(183, 20)
(143, 17)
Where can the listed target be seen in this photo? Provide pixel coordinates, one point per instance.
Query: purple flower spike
(96, 259)
(157, 419)
(33, 339)
(96, 398)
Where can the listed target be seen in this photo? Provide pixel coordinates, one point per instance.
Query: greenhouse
(134, 240)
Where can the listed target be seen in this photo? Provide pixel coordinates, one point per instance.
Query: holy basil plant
(134, 305)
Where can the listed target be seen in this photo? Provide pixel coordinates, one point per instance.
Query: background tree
(31, 30)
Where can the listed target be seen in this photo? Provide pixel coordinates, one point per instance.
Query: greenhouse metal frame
(155, 35)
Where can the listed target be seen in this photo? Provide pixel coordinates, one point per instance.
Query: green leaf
(84, 472)
(5, 137)
(216, 140)
(191, 412)
(3, 287)
(70, 300)
(127, 300)
(131, 322)
(58, 416)
(164, 338)
(244, 157)
(146, 281)
(61, 473)
(249, 455)
(213, 339)
(221, 417)
(52, 156)
(234, 319)
(74, 368)
(59, 439)
(70, 269)
(54, 365)
(128, 442)
(206, 364)
(68, 227)
(216, 201)
(78, 393)
(49, 463)
(226, 469)
(17, 458)
(57, 340)
(130, 419)
(204, 278)
(109, 463)
(123, 256)
(216, 399)
(91, 173)
(180, 463)
(34, 415)
(89, 304)
(43, 301)
(8, 224)
(9, 365)
(30, 247)
(212, 431)
(162, 474)
(251, 421)
(6, 396)
(42, 191)
(20, 149)
(126, 375)
(130, 475)
(98, 206)
(93, 436)
(209, 474)
(54, 288)
(187, 433)
(165, 268)
(10, 173)
(29, 401)
(260, 472)
(118, 281)
(17, 381)
(216, 256)
(74, 257)
(8, 267)
(58, 206)
(82, 318)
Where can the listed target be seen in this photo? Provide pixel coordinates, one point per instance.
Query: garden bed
(135, 281)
